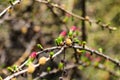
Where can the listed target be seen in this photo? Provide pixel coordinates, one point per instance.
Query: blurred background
(33, 21)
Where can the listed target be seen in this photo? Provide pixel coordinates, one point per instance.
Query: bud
(83, 44)
(36, 28)
(98, 59)
(114, 28)
(79, 51)
(33, 55)
(10, 10)
(11, 79)
(51, 54)
(24, 29)
(42, 60)
(48, 69)
(72, 31)
(67, 14)
(63, 34)
(73, 28)
(87, 55)
(87, 18)
(40, 46)
(68, 41)
(60, 65)
(31, 68)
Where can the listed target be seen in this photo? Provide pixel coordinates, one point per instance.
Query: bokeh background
(25, 20)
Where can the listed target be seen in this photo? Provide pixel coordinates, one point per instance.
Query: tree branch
(77, 16)
(99, 54)
(10, 6)
(37, 65)
(60, 51)
(72, 65)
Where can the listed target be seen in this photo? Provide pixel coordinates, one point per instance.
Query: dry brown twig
(77, 16)
(62, 9)
(28, 50)
(72, 65)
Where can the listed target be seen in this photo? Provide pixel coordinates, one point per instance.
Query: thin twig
(77, 16)
(40, 52)
(28, 50)
(37, 65)
(67, 67)
(77, 47)
(10, 6)
(99, 66)
(26, 53)
(99, 54)
(72, 65)
(62, 9)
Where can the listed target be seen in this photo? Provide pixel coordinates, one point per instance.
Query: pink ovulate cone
(63, 33)
(33, 55)
(73, 28)
(98, 59)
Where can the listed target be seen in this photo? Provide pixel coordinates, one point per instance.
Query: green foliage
(40, 46)
(10, 69)
(51, 53)
(100, 50)
(30, 60)
(48, 69)
(60, 65)
(70, 34)
(106, 10)
(76, 40)
(13, 68)
(59, 40)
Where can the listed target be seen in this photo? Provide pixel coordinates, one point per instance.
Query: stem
(83, 8)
